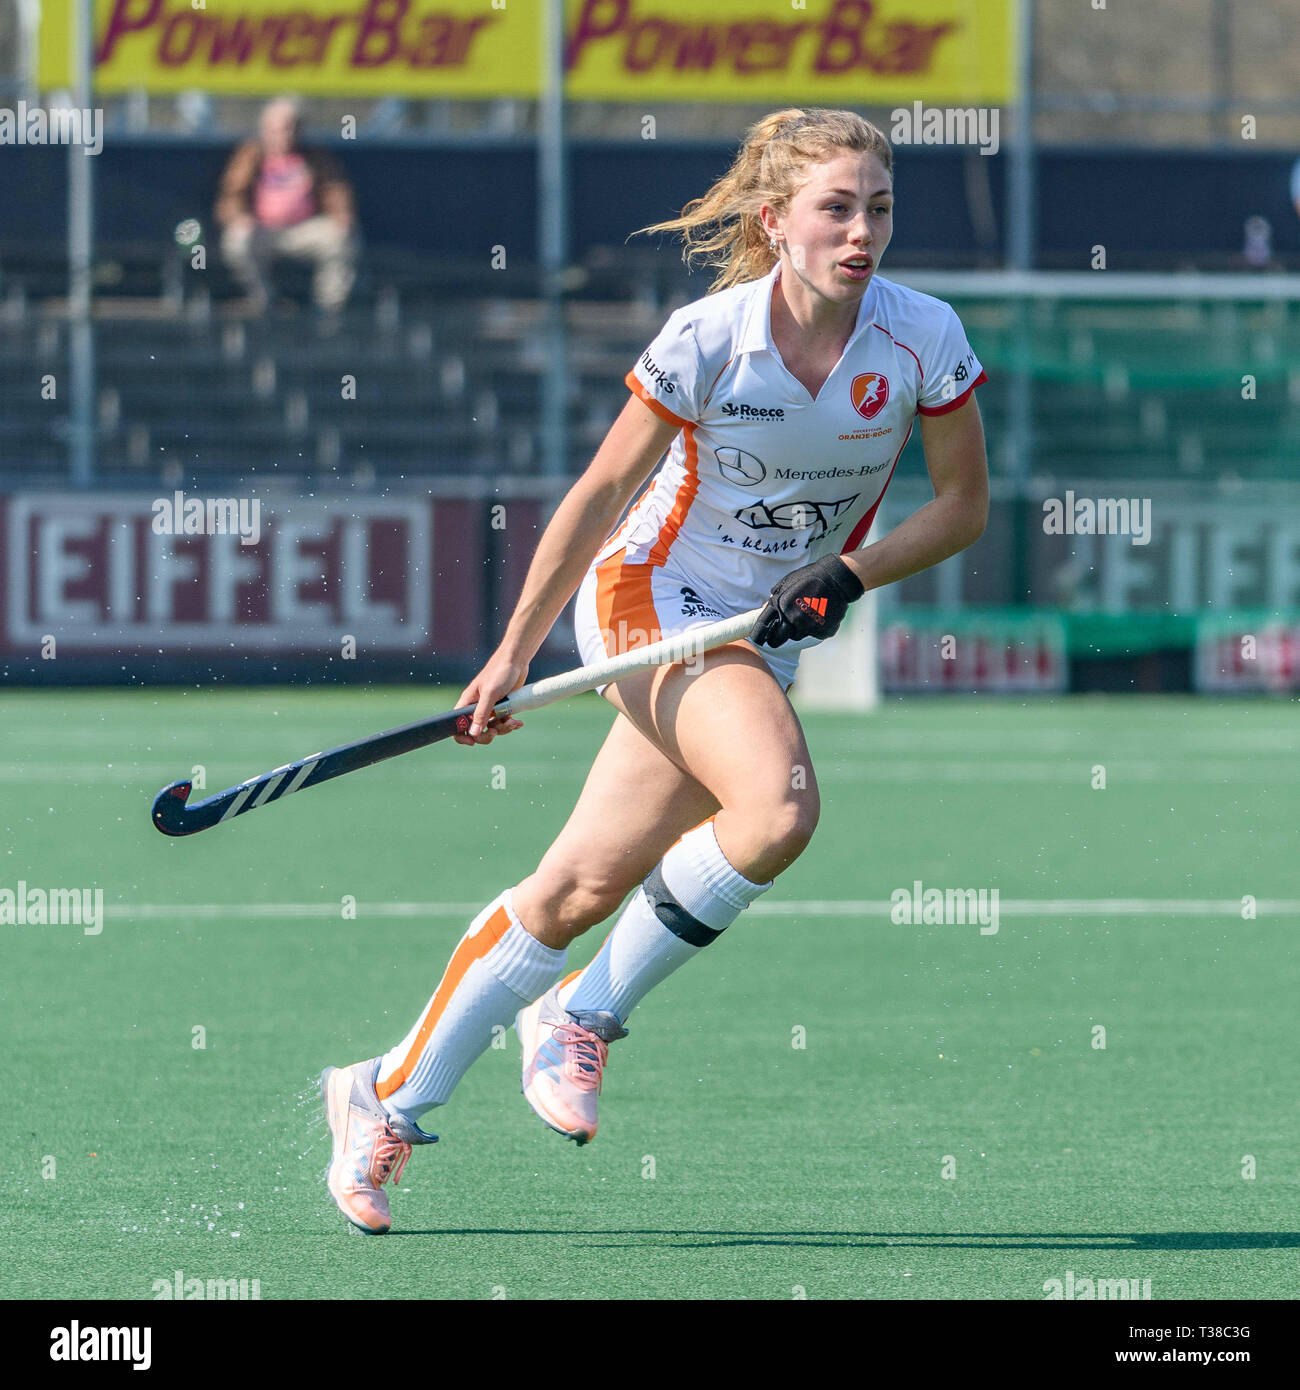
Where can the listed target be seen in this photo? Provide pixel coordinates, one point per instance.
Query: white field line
(1119, 770)
(878, 907)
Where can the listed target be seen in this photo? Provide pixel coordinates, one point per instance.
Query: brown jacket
(330, 188)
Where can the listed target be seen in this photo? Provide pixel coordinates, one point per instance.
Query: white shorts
(621, 606)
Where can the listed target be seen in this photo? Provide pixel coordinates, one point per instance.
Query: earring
(771, 241)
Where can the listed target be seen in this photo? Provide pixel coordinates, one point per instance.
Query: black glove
(809, 602)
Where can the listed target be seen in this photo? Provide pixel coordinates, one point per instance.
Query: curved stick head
(169, 809)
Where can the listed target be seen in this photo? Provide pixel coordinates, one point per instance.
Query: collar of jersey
(756, 331)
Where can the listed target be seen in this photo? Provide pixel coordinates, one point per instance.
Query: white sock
(690, 897)
(495, 970)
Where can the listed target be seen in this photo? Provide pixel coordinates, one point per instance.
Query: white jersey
(762, 477)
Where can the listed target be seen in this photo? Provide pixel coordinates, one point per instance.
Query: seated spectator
(279, 199)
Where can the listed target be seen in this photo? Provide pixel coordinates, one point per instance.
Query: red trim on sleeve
(634, 385)
(953, 404)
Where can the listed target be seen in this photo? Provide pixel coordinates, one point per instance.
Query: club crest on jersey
(736, 466)
(869, 392)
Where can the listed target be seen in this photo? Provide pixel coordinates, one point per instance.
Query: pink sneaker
(564, 1062)
(370, 1146)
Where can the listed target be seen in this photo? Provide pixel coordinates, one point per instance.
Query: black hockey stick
(174, 816)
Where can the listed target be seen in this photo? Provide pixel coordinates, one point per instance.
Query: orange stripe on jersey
(681, 503)
(630, 517)
(472, 948)
(625, 606)
(658, 407)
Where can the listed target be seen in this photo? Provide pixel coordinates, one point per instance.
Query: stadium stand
(448, 361)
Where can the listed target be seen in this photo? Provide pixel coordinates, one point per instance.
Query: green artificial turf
(730, 1163)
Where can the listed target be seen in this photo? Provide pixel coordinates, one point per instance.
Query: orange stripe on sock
(471, 948)
(708, 820)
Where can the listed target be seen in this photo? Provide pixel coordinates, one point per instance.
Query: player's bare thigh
(726, 721)
(635, 803)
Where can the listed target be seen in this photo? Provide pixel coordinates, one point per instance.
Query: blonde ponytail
(723, 228)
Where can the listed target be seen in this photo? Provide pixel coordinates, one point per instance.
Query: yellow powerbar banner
(851, 52)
